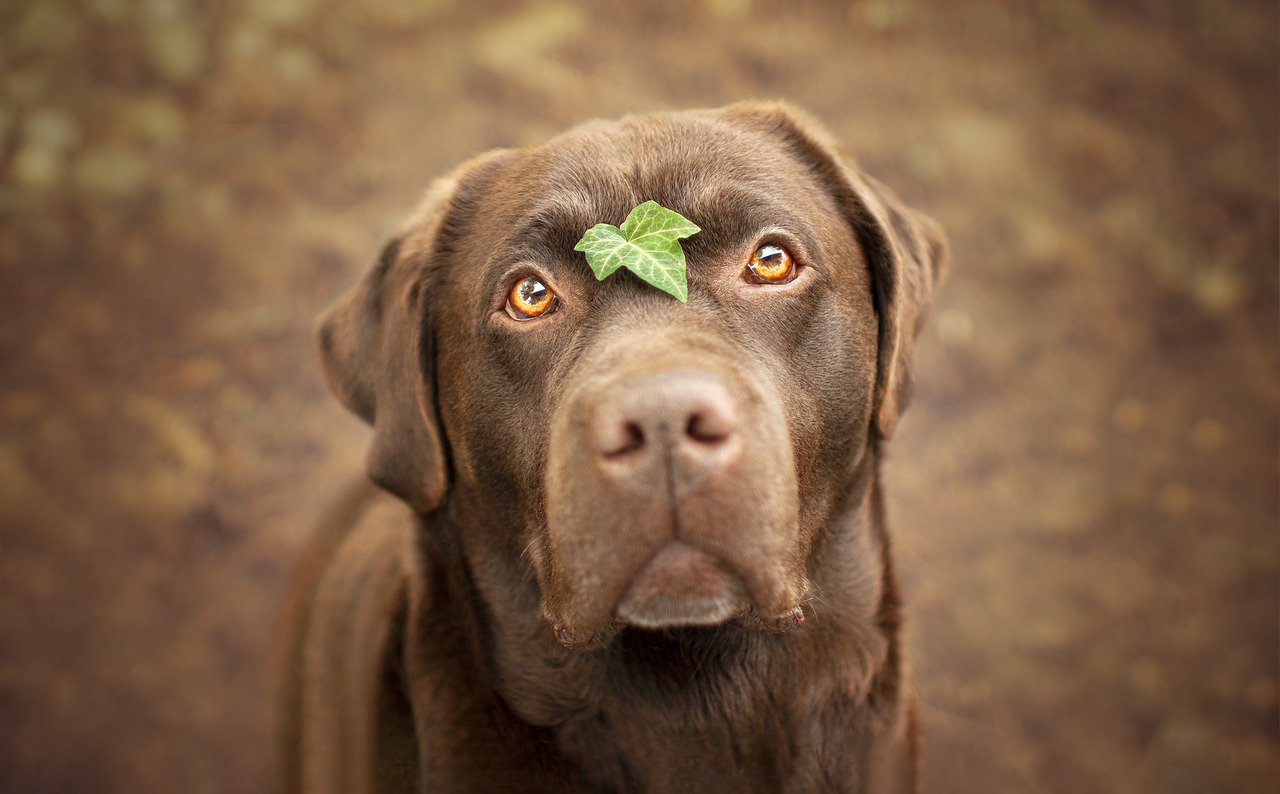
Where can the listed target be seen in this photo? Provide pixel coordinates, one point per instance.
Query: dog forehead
(674, 158)
(717, 173)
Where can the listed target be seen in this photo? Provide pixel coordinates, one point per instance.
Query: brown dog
(646, 549)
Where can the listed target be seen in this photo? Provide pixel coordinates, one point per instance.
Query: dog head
(656, 463)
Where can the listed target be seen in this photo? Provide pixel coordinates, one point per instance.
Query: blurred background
(1085, 493)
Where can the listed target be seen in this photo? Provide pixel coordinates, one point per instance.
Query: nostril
(641, 422)
(627, 438)
(709, 427)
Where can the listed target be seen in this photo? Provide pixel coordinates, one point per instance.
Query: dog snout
(671, 498)
(673, 429)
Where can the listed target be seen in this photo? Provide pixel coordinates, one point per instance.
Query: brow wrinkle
(730, 210)
(570, 215)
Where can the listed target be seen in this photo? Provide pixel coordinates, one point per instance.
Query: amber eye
(771, 264)
(530, 298)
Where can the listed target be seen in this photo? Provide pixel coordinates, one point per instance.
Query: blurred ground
(1085, 492)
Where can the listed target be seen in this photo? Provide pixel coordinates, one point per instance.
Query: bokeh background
(1084, 494)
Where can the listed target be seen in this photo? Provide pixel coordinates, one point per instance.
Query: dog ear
(376, 350)
(909, 260)
(905, 249)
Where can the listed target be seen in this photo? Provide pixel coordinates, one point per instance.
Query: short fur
(474, 643)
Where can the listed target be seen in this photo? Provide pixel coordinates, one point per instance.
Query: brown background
(1084, 493)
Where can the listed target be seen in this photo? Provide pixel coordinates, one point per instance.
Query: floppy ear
(909, 260)
(906, 250)
(376, 350)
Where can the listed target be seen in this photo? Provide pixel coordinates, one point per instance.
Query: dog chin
(682, 586)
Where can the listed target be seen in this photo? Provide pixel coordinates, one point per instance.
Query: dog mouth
(682, 586)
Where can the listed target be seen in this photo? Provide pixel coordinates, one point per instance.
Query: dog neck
(647, 700)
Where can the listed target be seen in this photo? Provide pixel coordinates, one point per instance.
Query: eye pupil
(532, 291)
(529, 298)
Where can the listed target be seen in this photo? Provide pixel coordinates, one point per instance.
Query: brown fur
(478, 643)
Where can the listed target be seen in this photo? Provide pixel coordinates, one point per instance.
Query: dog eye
(530, 299)
(771, 264)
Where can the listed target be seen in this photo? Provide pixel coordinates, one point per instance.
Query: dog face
(656, 463)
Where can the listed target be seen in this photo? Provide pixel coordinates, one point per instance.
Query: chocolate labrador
(646, 549)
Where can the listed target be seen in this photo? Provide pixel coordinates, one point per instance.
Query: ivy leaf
(647, 244)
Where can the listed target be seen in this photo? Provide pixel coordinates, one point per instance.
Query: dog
(644, 546)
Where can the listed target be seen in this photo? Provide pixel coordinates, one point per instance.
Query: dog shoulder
(341, 633)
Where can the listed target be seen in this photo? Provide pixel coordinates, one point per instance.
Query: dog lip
(682, 586)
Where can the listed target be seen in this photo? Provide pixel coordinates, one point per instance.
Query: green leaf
(647, 244)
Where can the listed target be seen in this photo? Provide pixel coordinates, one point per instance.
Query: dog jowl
(647, 550)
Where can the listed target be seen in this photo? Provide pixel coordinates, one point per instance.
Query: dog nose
(686, 423)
